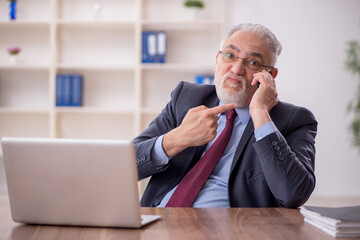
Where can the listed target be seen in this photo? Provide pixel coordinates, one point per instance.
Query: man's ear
(274, 72)
(217, 55)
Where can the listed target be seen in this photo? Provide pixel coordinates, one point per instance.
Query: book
(59, 90)
(76, 90)
(63, 87)
(204, 79)
(161, 47)
(66, 83)
(154, 44)
(69, 90)
(148, 47)
(338, 222)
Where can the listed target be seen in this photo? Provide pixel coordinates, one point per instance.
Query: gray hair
(262, 32)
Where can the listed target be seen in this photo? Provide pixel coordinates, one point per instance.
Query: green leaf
(198, 4)
(352, 62)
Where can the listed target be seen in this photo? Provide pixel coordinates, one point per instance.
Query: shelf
(92, 110)
(181, 24)
(23, 23)
(148, 117)
(24, 89)
(27, 11)
(175, 10)
(176, 66)
(187, 47)
(96, 126)
(106, 89)
(151, 111)
(108, 10)
(24, 124)
(121, 95)
(95, 67)
(34, 44)
(99, 47)
(96, 24)
(38, 67)
(155, 96)
(12, 110)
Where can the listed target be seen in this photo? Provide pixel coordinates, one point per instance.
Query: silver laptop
(73, 182)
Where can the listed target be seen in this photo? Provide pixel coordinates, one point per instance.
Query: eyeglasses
(251, 64)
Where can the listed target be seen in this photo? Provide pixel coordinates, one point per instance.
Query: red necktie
(191, 184)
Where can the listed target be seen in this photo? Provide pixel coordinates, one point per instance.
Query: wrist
(172, 144)
(259, 116)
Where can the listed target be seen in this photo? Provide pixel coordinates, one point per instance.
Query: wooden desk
(181, 223)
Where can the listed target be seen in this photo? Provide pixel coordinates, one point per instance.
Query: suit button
(279, 153)
(277, 148)
(281, 158)
(143, 158)
(274, 143)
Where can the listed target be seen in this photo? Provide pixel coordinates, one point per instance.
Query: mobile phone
(258, 83)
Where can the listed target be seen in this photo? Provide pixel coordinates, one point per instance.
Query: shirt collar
(243, 113)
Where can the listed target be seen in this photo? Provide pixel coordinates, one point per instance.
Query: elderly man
(233, 144)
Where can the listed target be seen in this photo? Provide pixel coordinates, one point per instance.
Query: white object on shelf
(13, 59)
(192, 13)
(97, 8)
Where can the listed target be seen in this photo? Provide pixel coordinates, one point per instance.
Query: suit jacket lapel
(248, 132)
(212, 100)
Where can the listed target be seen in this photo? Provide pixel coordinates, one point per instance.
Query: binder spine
(67, 90)
(59, 90)
(76, 90)
(148, 47)
(161, 46)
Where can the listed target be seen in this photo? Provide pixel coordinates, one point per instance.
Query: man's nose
(238, 67)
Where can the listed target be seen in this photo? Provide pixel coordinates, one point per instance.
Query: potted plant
(192, 8)
(196, 4)
(352, 64)
(13, 54)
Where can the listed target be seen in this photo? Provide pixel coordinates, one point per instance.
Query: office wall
(312, 74)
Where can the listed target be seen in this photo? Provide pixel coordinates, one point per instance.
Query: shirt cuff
(265, 130)
(158, 156)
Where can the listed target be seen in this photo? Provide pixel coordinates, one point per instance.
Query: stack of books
(338, 222)
(69, 90)
(154, 46)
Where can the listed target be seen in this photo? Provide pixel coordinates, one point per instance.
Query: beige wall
(312, 74)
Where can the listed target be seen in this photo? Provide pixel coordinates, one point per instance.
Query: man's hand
(264, 99)
(197, 128)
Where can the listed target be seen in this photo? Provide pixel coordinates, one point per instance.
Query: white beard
(230, 94)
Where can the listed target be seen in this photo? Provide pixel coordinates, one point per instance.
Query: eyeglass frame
(246, 61)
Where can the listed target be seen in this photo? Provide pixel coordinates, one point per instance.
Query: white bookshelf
(121, 95)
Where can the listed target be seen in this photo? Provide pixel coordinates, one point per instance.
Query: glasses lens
(252, 66)
(228, 57)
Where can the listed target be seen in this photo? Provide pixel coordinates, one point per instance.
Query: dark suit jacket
(277, 171)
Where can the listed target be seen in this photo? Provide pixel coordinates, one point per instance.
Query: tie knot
(230, 115)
